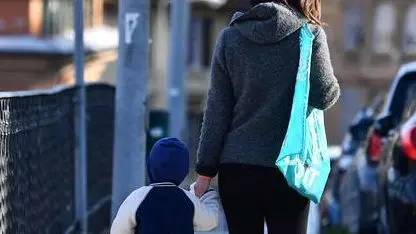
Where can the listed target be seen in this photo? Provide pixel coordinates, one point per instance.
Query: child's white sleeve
(125, 220)
(206, 210)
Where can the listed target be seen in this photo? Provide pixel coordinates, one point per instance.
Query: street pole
(81, 193)
(178, 68)
(131, 94)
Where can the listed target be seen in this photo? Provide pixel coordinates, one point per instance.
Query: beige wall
(159, 50)
(362, 73)
(370, 67)
(197, 78)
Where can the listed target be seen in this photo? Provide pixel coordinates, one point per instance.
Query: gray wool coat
(252, 85)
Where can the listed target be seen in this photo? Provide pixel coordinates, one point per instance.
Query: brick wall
(26, 16)
(14, 17)
(27, 72)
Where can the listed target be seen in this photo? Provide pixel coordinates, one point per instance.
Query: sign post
(178, 68)
(131, 95)
(81, 193)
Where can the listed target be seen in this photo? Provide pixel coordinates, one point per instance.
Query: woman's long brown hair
(311, 9)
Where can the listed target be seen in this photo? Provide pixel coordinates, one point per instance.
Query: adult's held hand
(201, 185)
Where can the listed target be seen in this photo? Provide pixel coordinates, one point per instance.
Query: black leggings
(253, 194)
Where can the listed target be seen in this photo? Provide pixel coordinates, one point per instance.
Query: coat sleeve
(218, 113)
(125, 220)
(325, 90)
(206, 210)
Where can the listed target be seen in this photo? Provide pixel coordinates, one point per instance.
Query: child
(163, 207)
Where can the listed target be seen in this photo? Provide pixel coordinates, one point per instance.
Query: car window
(410, 103)
(378, 103)
(399, 96)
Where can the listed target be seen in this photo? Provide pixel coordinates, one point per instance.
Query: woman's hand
(201, 185)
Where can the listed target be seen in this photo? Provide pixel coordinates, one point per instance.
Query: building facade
(369, 40)
(36, 43)
(205, 25)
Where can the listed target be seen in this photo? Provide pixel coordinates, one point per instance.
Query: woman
(248, 109)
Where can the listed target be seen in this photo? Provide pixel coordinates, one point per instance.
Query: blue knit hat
(168, 161)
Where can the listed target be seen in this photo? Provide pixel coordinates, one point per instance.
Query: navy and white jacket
(163, 207)
(166, 208)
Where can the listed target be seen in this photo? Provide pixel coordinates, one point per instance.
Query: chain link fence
(37, 150)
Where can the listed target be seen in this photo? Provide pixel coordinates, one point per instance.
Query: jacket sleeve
(206, 210)
(324, 89)
(217, 114)
(125, 220)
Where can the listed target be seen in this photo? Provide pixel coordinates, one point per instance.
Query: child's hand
(201, 185)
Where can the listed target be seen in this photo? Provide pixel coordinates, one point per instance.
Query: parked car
(348, 192)
(328, 209)
(393, 145)
(355, 136)
(332, 212)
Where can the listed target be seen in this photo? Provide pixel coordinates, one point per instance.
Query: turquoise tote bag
(303, 158)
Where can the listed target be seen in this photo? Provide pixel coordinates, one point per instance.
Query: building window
(409, 37)
(199, 44)
(385, 20)
(410, 105)
(58, 16)
(353, 28)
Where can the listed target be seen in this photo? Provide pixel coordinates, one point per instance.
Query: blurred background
(369, 40)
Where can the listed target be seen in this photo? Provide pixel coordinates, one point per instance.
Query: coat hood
(168, 161)
(268, 23)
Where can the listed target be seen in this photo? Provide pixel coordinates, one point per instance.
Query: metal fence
(37, 150)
